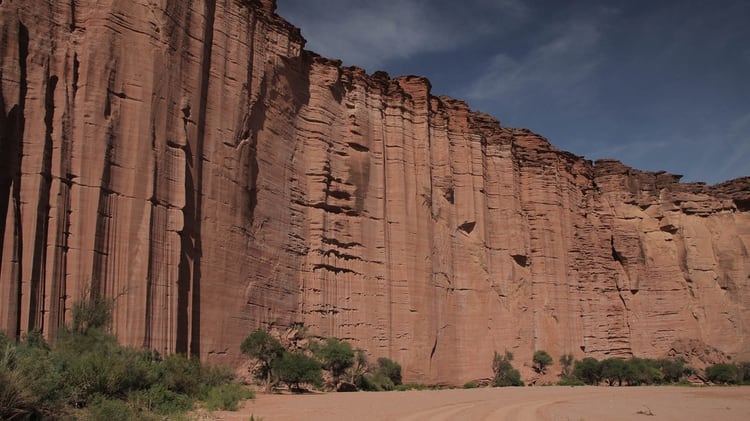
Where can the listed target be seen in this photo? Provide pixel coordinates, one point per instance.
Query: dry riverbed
(527, 403)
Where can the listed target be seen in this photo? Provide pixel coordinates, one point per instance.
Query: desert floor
(527, 403)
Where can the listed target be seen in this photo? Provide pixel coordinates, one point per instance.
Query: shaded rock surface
(192, 161)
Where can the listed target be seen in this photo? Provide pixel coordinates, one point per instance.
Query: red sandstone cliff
(192, 161)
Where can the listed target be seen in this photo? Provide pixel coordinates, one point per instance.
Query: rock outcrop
(193, 162)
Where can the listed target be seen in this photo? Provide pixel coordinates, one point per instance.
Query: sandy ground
(527, 403)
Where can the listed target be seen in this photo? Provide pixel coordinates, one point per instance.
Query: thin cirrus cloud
(659, 85)
(557, 69)
(371, 34)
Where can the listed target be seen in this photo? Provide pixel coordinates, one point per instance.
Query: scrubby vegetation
(385, 375)
(332, 364)
(503, 371)
(647, 371)
(298, 366)
(541, 361)
(266, 349)
(725, 373)
(88, 375)
(336, 356)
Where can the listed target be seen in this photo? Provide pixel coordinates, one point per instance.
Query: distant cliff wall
(190, 160)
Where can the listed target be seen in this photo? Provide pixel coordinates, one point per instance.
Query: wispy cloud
(557, 68)
(659, 85)
(370, 33)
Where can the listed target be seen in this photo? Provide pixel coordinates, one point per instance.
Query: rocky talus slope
(192, 161)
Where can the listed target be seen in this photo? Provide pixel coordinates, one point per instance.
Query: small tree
(566, 362)
(360, 366)
(588, 370)
(504, 373)
(336, 356)
(744, 372)
(723, 373)
(643, 371)
(266, 349)
(93, 313)
(614, 370)
(295, 369)
(390, 369)
(673, 370)
(541, 361)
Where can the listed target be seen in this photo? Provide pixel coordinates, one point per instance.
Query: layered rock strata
(193, 162)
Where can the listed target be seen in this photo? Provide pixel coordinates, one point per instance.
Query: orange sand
(528, 403)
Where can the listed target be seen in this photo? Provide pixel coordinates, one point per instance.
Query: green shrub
(216, 376)
(367, 382)
(541, 361)
(266, 349)
(227, 397)
(160, 400)
(93, 313)
(181, 375)
(42, 376)
(566, 364)
(295, 369)
(642, 371)
(570, 381)
(4, 340)
(471, 385)
(588, 370)
(88, 374)
(103, 408)
(614, 370)
(723, 373)
(336, 356)
(673, 370)
(504, 373)
(34, 339)
(744, 372)
(411, 386)
(16, 400)
(390, 369)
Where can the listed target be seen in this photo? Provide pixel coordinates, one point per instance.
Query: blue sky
(659, 85)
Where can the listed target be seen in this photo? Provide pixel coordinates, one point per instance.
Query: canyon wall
(193, 162)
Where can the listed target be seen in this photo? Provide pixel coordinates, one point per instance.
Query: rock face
(192, 161)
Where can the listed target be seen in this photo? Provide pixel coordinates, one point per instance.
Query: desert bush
(160, 400)
(723, 373)
(643, 371)
(226, 397)
(93, 313)
(383, 376)
(634, 371)
(264, 348)
(103, 408)
(504, 373)
(390, 369)
(16, 399)
(587, 370)
(566, 365)
(181, 375)
(471, 385)
(368, 383)
(673, 370)
(744, 372)
(88, 374)
(295, 369)
(336, 356)
(414, 386)
(570, 381)
(541, 361)
(614, 370)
